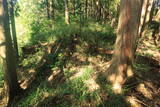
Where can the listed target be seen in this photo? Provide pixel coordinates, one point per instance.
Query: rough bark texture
(121, 64)
(7, 53)
(13, 26)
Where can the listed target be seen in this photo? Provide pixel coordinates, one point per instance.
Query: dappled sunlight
(26, 77)
(79, 73)
(88, 62)
(55, 73)
(117, 88)
(148, 48)
(130, 71)
(25, 82)
(133, 101)
(31, 71)
(46, 94)
(112, 77)
(92, 85)
(142, 89)
(116, 81)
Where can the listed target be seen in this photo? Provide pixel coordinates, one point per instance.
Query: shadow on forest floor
(75, 78)
(68, 74)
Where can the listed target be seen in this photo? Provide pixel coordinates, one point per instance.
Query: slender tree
(122, 61)
(52, 9)
(48, 9)
(143, 15)
(74, 7)
(7, 52)
(66, 12)
(13, 28)
(86, 9)
(146, 15)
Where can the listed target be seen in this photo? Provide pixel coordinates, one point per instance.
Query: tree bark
(48, 9)
(7, 53)
(122, 61)
(86, 9)
(52, 9)
(13, 26)
(66, 12)
(74, 7)
(145, 15)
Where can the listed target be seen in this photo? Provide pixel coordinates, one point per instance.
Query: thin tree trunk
(66, 12)
(48, 9)
(13, 26)
(99, 10)
(86, 9)
(149, 10)
(145, 16)
(52, 9)
(7, 53)
(74, 7)
(122, 60)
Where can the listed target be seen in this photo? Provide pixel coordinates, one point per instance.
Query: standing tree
(66, 12)
(48, 9)
(52, 9)
(86, 9)
(146, 15)
(13, 27)
(7, 52)
(122, 61)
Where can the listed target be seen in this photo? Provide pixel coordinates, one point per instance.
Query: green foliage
(1, 77)
(110, 6)
(32, 60)
(75, 88)
(34, 28)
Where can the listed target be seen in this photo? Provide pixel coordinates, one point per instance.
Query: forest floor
(60, 74)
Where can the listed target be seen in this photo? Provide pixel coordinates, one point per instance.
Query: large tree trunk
(7, 53)
(66, 12)
(122, 60)
(13, 26)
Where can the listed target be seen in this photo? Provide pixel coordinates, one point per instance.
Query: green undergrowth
(1, 77)
(71, 93)
(65, 40)
(64, 91)
(48, 31)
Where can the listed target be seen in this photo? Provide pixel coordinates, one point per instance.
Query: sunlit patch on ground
(133, 101)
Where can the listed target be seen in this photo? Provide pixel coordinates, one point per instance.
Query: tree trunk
(86, 9)
(52, 9)
(13, 26)
(149, 10)
(74, 7)
(143, 15)
(122, 60)
(7, 53)
(48, 9)
(66, 12)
